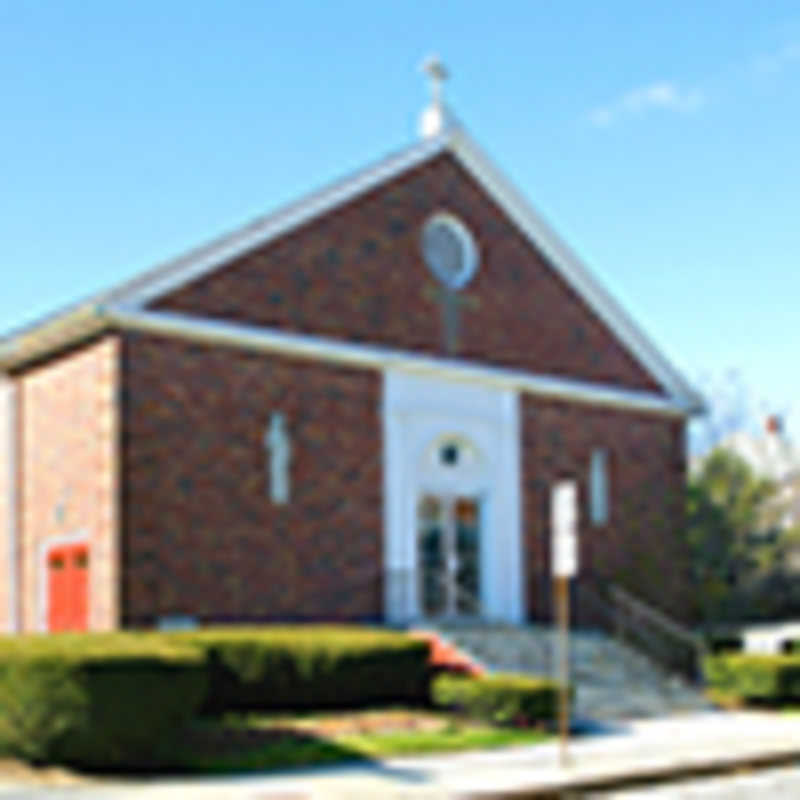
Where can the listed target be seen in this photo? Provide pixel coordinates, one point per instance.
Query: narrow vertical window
(279, 453)
(598, 487)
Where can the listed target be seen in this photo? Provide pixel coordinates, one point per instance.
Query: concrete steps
(612, 681)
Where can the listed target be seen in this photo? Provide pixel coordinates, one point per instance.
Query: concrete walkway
(633, 750)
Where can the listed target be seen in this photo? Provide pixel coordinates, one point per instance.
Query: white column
(398, 563)
(512, 481)
(8, 502)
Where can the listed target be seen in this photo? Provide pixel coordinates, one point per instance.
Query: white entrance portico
(452, 500)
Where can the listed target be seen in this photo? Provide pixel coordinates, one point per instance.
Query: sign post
(564, 550)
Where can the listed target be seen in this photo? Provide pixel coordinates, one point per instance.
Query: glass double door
(448, 546)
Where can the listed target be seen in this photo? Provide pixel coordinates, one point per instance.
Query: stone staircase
(612, 681)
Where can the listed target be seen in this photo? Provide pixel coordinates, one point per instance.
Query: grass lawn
(260, 742)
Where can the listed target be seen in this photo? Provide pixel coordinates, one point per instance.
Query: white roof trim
(137, 293)
(456, 141)
(574, 271)
(167, 277)
(366, 356)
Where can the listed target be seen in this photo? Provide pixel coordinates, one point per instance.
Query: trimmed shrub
(116, 700)
(765, 678)
(96, 700)
(725, 644)
(498, 698)
(312, 667)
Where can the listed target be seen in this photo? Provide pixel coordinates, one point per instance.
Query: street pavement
(780, 783)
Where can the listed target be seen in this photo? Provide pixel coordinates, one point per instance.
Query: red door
(68, 588)
(58, 590)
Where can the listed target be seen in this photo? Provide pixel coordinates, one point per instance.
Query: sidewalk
(635, 750)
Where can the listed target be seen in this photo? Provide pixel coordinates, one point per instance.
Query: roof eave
(136, 294)
(258, 338)
(55, 334)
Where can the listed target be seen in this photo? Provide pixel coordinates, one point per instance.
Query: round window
(449, 454)
(449, 250)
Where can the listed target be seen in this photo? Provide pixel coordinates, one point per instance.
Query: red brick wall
(357, 274)
(201, 535)
(640, 547)
(69, 459)
(199, 532)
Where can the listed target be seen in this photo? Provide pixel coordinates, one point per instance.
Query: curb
(664, 773)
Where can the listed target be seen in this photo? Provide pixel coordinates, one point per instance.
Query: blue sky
(661, 140)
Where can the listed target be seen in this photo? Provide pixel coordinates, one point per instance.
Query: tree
(732, 543)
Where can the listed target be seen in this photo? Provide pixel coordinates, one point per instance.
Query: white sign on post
(564, 527)
(564, 551)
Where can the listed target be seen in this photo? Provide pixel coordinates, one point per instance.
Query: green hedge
(116, 700)
(96, 700)
(310, 667)
(725, 644)
(498, 698)
(754, 677)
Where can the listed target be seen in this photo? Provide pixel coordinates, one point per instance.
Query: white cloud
(777, 61)
(667, 96)
(664, 96)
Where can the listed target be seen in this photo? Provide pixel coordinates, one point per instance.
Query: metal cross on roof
(438, 74)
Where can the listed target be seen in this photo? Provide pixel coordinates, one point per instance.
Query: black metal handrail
(634, 622)
(667, 641)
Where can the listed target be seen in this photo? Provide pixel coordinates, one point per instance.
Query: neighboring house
(352, 409)
(772, 455)
(770, 638)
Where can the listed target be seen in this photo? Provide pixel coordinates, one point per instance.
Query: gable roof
(134, 295)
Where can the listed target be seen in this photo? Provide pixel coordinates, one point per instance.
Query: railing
(674, 646)
(593, 606)
(633, 622)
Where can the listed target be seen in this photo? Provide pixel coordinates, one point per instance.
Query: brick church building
(354, 408)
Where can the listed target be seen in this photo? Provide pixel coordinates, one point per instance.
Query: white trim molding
(136, 294)
(173, 274)
(419, 414)
(570, 266)
(177, 622)
(43, 588)
(249, 337)
(469, 250)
